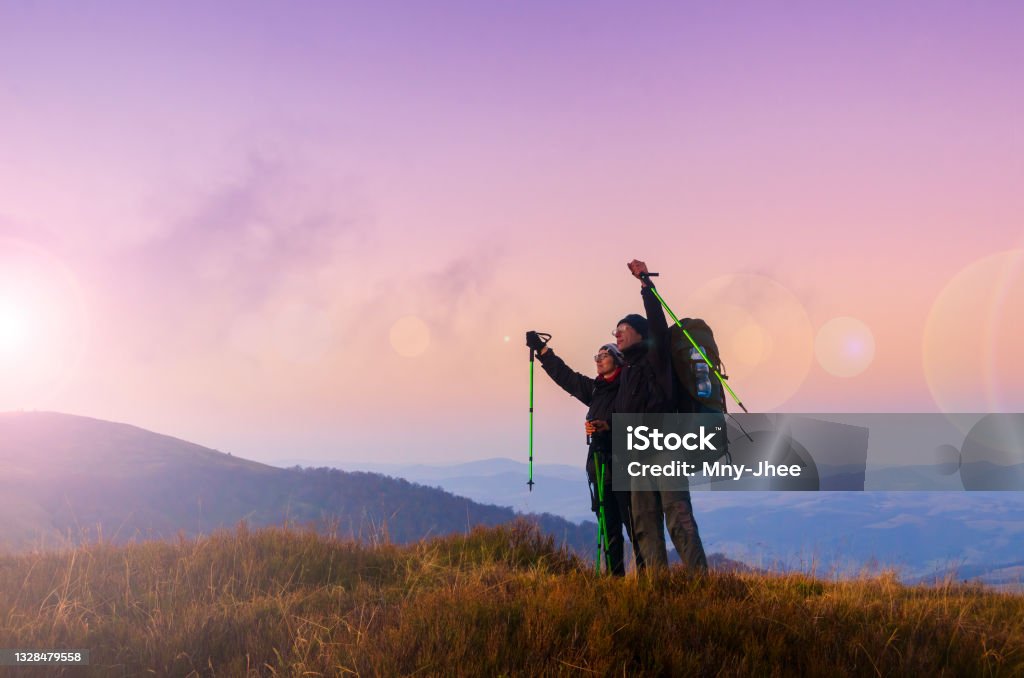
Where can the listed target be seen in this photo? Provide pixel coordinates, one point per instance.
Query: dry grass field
(497, 601)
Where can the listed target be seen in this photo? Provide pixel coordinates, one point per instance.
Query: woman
(598, 393)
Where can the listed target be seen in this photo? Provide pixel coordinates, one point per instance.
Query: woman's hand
(594, 425)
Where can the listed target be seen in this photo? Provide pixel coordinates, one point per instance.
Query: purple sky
(216, 220)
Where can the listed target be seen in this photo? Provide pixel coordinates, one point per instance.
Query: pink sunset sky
(320, 230)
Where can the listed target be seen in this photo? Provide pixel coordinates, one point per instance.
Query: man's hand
(637, 268)
(594, 425)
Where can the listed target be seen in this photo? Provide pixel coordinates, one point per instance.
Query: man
(646, 386)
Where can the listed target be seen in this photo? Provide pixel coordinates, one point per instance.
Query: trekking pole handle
(646, 277)
(544, 338)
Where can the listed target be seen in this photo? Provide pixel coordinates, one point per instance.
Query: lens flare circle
(410, 336)
(844, 347)
(971, 352)
(751, 344)
(763, 333)
(947, 459)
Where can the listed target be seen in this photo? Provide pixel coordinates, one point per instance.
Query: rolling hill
(66, 479)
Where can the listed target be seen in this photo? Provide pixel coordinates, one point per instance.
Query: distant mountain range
(924, 535)
(66, 478)
(558, 489)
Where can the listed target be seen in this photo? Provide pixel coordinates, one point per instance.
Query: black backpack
(684, 367)
(684, 370)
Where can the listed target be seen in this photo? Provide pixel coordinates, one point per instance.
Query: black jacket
(595, 392)
(646, 380)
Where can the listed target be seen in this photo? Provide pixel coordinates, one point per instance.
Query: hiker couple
(634, 375)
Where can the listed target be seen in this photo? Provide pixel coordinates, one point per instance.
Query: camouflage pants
(655, 508)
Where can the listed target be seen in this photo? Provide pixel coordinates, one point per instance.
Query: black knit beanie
(637, 322)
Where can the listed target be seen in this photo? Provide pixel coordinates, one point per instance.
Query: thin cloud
(232, 252)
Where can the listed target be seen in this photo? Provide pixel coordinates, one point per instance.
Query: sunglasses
(601, 356)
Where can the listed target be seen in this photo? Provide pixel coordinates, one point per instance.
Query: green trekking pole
(545, 338)
(529, 482)
(646, 277)
(602, 522)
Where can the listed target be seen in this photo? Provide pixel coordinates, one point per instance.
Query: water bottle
(701, 373)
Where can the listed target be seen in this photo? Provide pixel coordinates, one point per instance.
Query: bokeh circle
(971, 345)
(763, 333)
(844, 347)
(410, 336)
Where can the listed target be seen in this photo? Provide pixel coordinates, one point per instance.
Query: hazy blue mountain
(477, 468)
(558, 489)
(921, 534)
(62, 477)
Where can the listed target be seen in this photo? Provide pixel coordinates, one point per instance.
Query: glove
(534, 341)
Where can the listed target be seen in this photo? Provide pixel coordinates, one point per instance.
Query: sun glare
(43, 325)
(14, 328)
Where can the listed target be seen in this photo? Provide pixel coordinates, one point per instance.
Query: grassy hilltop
(496, 601)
